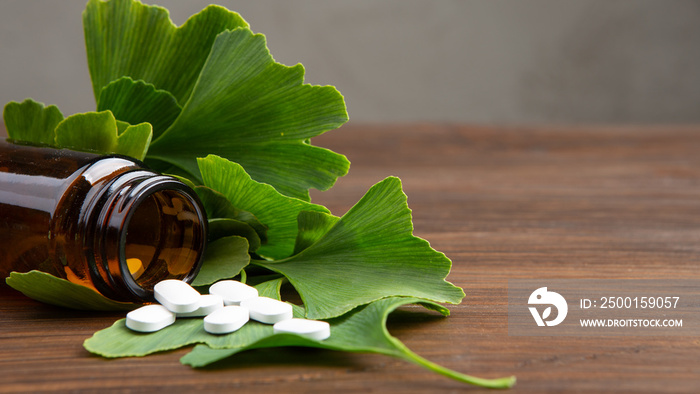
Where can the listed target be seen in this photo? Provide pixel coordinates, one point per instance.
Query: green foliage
(93, 131)
(56, 291)
(218, 207)
(137, 102)
(207, 87)
(312, 227)
(361, 330)
(219, 228)
(207, 102)
(98, 132)
(134, 140)
(274, 210)
(31, 121)
(368, 254)
(236, 101)
(249, 109)
(223, 259)
(128, 38)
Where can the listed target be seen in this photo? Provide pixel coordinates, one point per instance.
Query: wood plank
(502, 203)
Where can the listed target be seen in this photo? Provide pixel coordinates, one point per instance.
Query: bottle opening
(163, 238)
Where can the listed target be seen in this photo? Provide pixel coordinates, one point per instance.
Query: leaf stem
(499, 383)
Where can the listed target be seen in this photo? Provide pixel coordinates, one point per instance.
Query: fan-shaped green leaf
(369, 254)
(56, 291)
(134, 141)
(90, 131)
(362, 330)
(98, 132)
(312, 227)
(137, 102)
(223, 259)
(31, 121)
(217, 206)
(224, 227)
(128, 38)
(249, 109)
(276, 211)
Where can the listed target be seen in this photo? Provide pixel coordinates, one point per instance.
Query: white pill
(267, 310)
(233, 292)
(312, 329)
(176, 295)
(208, 303)
(225, 320)
(149, 318)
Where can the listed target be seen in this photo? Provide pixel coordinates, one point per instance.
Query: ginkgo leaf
(237, 102)
(31, 121)
(207, 102)
(134, 140)
(128, 38)
(274, 210)
(258, 113)
(218, 206)
(137, 102)
(368, 254)
(91, 131)
(220, 228)
(312, 227)
(98, 132)
(362, 330)
(119, 341)
(51, 290)
(223, 259)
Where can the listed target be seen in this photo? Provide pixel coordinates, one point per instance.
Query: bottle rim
(125, 195)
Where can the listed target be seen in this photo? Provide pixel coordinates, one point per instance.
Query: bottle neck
(142, 228)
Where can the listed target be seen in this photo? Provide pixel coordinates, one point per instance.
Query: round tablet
(225, 320)
(267, 310)
(312, 329)
(176, 295)
(149, 318)
(208, 303)
(233, 292)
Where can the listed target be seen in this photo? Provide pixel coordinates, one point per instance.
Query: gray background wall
(473, 61)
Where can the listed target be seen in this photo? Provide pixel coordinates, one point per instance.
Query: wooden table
(502, 203)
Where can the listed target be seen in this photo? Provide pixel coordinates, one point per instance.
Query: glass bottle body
(106, 222)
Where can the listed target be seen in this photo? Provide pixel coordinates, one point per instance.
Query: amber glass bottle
(106, 222)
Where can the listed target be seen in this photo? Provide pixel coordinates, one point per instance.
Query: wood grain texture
(502, 203)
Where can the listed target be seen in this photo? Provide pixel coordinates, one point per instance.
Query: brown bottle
(106, 222)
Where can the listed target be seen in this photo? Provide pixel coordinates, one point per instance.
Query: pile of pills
(228, 306)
